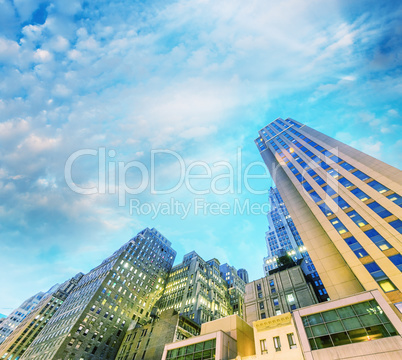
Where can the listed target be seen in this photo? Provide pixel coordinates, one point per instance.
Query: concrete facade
(277, 294)
(231, 338)
(236, 288)
(91, 323)
(196, 290)
(345, 204)
(148, 341)
(26, 332)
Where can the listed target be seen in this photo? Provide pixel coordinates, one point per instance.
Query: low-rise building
(147, 341)
(223, 339)
(276, 294)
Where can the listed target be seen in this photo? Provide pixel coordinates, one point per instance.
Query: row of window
(277, 343)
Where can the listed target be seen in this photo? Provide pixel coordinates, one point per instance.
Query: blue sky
(198, 78)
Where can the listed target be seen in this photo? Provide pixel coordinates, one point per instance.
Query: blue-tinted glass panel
(397, 199)
(360, 194)
(329, 190)
(357, 219)
(377, 239)
(309, 153)
(380, 210)
(336, 159)
(325, 209)
(372, 267)
(397, 261)
(315, 196)
(397, 225)
(319, 148)
(345, 182)
(347, 166)
(338, 226)
(377, 186)
(319, 180)
(307, 186)
(341, 203)
(324, 165)
(311, 172)
(333, 173)
(356, 247)
(361, 175)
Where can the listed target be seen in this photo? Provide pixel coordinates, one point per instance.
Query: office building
(29, 328)
(14, 319)
(92, 321)
(222, 339)
(276, 294)
(362, 326)
(345, 204)
(236, 288)
(243, 274)
(282, 238)
(146, 342)
(196, 290)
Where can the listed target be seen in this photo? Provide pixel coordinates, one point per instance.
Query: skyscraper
(236, 288)
(345, 204)
(282, 238)
(196, 290)
(92, 322)
(243, 274)
(29, 328)
(19, 314)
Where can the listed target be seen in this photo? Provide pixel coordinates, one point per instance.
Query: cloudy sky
(194, 78)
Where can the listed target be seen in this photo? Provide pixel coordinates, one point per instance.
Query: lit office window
(377, 239)
(377, 186)
(338, 225)
(357, 219)
(380, 277)
(361, 175)
(346, 183)
(356, 247)
(360, 194)
(397, 199)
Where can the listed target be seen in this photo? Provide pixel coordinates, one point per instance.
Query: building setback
(345, 204)
(19, 340)
(276, 294)
(146, 342)
(196, 290)
(92, 322)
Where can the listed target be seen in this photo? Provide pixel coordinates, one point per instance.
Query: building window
(379, 210)
(277, 343)
(361, 175)
(377, 186)
(397, 225)
(261, 305)
(345, 182)
(377, 239)
(347, 325)
(202, 350)
(271, 282)
(260, 295)
(338, 225)
(360, 194)
(379, 276)
(278, 312)
(291, 341)
(276, 302)
(397, 260)
(263, 347)
(258, 287)
(263, 316)
(357, 219)
(397, 199)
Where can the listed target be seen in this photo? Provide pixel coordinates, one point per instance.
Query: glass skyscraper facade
(345, 204)
(283, 238)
